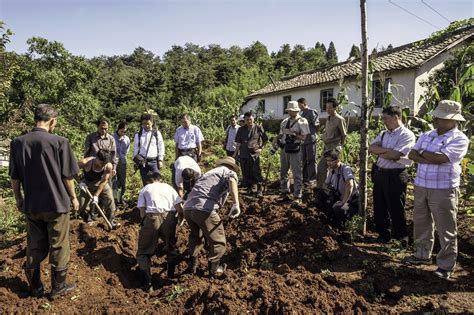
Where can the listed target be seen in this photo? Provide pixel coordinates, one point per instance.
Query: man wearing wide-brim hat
(208, 195)
(293, 131)
(438, 153)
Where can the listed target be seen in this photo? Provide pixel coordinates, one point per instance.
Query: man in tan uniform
(334, 135)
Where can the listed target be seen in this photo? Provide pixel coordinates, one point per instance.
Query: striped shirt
(454, 145)
(400, 139)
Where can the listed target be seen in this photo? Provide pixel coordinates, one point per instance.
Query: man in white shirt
(158, 203)
(230, 132)
(180, 165)
(188, 139)
(148, 148)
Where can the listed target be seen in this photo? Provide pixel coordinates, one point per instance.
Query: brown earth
(281, 259)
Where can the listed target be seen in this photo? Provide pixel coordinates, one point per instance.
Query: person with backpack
(148, 148)
(293, 132)
(339, 197)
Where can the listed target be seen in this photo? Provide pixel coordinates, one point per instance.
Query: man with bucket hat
(208, 195)
(438, 153)
(293, 132)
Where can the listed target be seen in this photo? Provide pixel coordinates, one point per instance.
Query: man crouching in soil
(200, 210)
(158, 203)
(43, 165)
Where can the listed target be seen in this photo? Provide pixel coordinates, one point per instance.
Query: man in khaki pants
(438, 154)
(200, 210)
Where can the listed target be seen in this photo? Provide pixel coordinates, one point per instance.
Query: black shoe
(216, 270)
(259, 193)
(58, 283)
(171, 267)
(284, 197)
(146, 280)
(249, 191)
(192, 265)
(34, 279)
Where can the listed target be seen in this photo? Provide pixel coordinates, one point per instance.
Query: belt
(391, 170)
(151, 159)
(155, 214)
(186, 150)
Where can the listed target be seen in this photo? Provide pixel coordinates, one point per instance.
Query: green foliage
(355, 52)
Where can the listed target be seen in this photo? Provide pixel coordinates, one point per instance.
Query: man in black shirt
(43, 165)
(249, 142)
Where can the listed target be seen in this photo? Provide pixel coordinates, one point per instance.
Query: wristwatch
(421, 152)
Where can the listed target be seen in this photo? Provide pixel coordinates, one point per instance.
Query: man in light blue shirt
(188, 139)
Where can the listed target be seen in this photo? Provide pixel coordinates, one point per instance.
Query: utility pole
(364, 118)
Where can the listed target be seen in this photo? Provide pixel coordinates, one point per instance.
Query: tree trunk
(364, 119)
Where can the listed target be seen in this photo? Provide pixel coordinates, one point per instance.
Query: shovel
(101, 212)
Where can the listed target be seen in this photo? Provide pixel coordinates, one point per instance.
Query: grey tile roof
(404, 57)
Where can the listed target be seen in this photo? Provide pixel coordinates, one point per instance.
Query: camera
(290, 139)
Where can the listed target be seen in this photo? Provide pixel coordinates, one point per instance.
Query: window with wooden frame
(324, 96)
(379, 93)
(261, 107)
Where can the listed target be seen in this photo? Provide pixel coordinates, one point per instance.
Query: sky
(116, 27)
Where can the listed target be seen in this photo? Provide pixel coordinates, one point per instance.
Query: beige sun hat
(292, 107)
(228, 161)
(448, 109)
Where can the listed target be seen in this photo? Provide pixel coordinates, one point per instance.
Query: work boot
(171, 267)
(33, 275)
(59, 286)
(259, 190)
(146, 280)
(216, 270)
(192, 265)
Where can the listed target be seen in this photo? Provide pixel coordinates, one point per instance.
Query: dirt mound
(280, 259)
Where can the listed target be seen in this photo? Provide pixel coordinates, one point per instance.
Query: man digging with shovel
(97, 171)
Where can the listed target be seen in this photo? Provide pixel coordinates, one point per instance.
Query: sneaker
(413, 260)
(443, 274)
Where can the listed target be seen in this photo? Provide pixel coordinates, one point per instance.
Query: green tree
(331, 55)
(355, 52)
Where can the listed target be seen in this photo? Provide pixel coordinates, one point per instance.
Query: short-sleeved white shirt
(182, 163)
(158, 198)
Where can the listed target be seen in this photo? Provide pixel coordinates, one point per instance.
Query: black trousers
(251, 171)
(390, 188)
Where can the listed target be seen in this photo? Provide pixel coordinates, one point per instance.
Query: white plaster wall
(402, 89)
(423, 73)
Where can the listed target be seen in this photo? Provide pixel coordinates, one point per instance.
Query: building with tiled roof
(399, 70)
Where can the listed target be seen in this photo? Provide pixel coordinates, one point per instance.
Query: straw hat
(447, 109)
(229, 162)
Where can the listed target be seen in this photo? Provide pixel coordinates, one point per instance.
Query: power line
(423, 1)
(420, 18)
